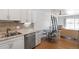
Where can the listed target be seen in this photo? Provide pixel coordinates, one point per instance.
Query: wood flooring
(58, 44)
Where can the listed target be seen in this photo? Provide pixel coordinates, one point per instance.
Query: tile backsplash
(11, 25)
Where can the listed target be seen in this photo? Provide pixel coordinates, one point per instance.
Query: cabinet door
(6, 45)
(38, 37)
(25, 15)
(15, 14)
(41, 19)
(18, 43)
(29, 15)
(3, 14)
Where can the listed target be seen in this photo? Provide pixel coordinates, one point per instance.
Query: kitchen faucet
(7, 31)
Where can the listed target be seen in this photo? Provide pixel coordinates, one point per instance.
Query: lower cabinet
(6, 45)
(14, 43)
(18, 43)
(38, 37)
(27, 41)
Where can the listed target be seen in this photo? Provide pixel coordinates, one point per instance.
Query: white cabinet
(10, 14)
(6, 45)
(14, 14)
(3, 14)
(29, 15)
(14, 43)
(38, 37)
(25, 15)
(41, 19)
(18, 43)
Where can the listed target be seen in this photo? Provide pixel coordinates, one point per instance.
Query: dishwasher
(29, 40)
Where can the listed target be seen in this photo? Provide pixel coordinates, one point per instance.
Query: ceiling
(65, 11)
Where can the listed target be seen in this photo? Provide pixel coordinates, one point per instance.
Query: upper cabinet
(41, 19)
(4, 14)
(14, 14)
(55, 11)
(25, 15)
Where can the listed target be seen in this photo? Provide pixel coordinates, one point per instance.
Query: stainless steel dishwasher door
(29, 40)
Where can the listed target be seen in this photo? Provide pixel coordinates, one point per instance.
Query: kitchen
(31, 28)
(20, 28)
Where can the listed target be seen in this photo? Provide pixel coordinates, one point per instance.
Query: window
(72, 24)
(76, 24)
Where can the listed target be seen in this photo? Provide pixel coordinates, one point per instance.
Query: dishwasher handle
(28, 35)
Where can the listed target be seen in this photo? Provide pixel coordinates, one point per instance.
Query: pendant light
(60, 12)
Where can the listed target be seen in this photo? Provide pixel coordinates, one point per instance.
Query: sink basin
(12, 34)
(9, 34)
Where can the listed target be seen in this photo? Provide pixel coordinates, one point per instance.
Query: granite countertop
(23, 31)
(26, 31)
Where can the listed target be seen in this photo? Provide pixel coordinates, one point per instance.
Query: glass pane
(70, 23)
(76, 24)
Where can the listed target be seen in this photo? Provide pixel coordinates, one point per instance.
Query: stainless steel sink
(12, 34)
(9, 34)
